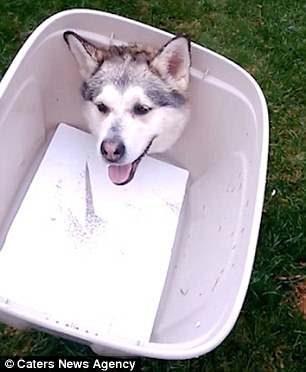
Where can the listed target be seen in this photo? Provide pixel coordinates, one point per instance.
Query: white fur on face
(136, 131)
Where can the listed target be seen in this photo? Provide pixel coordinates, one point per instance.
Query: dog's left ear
(173, 62)
(87, 55)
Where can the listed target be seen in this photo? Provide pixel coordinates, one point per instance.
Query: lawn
(268, 39)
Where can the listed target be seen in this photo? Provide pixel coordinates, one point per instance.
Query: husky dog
(135, 98)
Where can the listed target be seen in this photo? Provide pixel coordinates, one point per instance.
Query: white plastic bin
(224, 146)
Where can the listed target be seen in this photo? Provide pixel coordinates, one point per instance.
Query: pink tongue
(119, 173)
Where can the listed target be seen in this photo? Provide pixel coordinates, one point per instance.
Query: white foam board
(89, 253)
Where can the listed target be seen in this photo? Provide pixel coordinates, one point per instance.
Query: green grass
(268, 38)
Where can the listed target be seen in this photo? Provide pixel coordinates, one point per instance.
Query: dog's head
(135, 98)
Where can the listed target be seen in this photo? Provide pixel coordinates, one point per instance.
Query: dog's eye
(139, 109)
(102, 108)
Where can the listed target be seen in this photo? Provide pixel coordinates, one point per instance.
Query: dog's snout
(112, 149)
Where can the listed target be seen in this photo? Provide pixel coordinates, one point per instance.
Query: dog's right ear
(173, 61)
(87, 55)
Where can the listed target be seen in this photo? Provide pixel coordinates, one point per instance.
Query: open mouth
(123, 174)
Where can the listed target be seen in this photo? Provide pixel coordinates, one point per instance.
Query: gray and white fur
(135, 97)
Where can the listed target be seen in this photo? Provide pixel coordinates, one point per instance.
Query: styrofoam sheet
(86, 252)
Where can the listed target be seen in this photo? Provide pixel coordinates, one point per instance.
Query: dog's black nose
(112, 149)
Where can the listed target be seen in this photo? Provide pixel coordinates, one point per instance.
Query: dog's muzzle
(124, 173)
